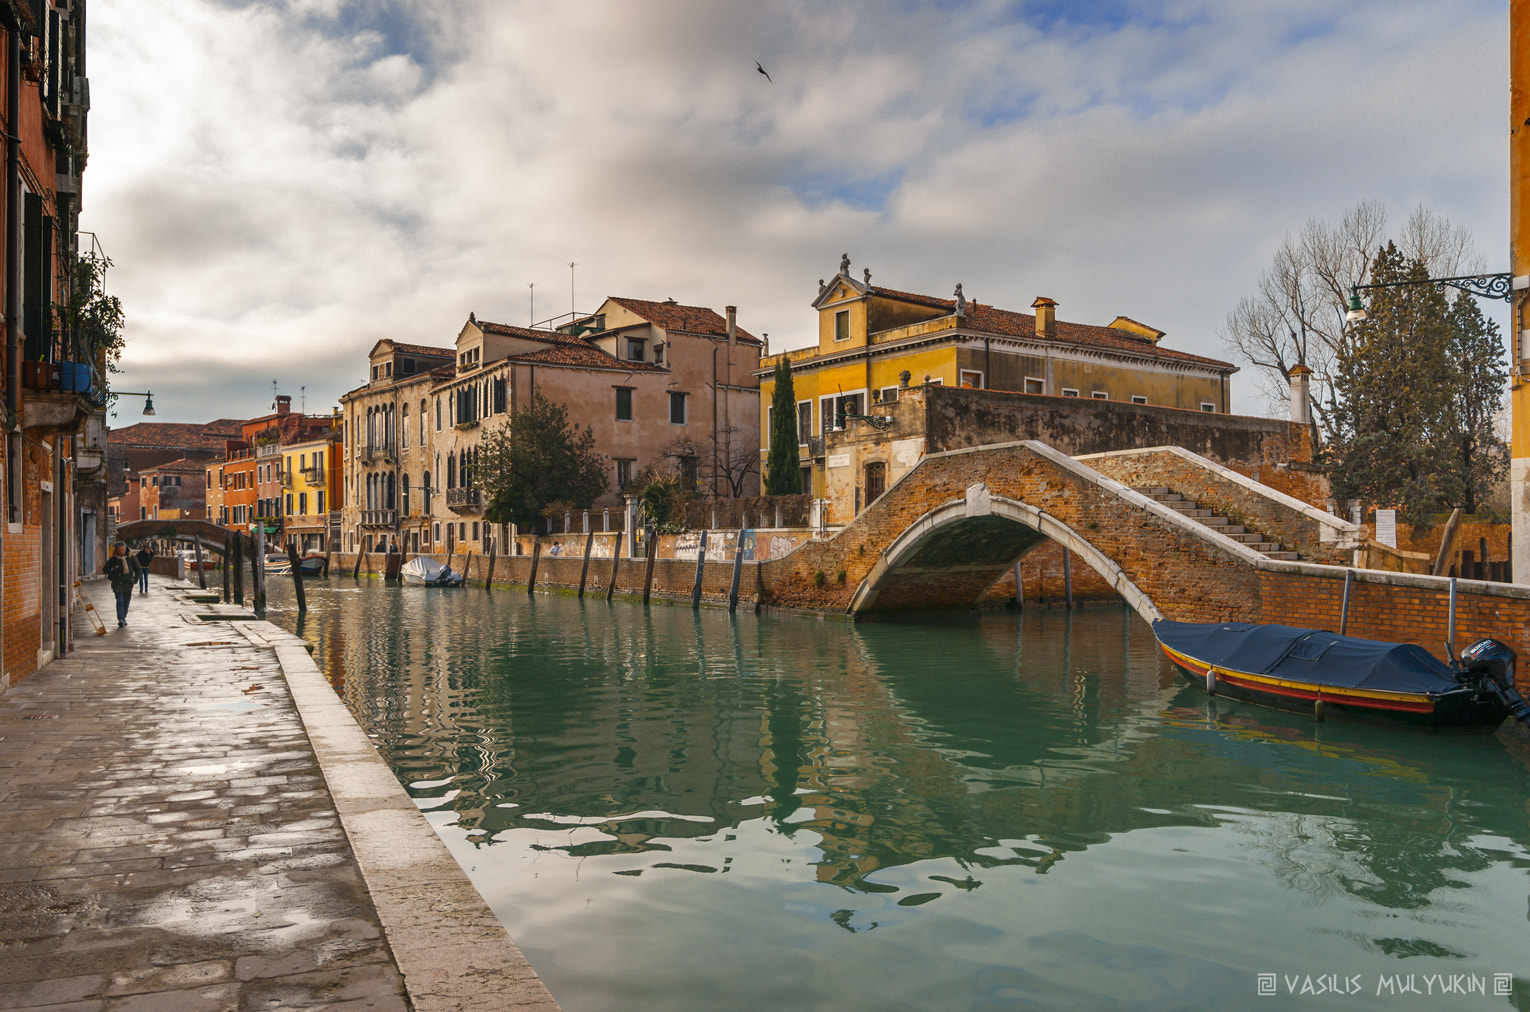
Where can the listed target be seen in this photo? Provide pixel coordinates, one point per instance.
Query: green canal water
(677, 810)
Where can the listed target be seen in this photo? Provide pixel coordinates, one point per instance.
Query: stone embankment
(194, 821)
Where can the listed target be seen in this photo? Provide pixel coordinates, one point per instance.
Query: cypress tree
(782, 468)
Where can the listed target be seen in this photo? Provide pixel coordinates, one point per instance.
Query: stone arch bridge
(952, 526)
(211, 534)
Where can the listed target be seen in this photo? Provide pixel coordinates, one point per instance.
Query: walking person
(122, 571)
(145, 556)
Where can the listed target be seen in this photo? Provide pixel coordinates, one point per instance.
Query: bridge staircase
(1193, 510)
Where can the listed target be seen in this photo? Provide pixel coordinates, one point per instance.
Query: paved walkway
(190, 820)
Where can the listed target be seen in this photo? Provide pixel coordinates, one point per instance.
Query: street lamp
(148, 399)
(1484, 286)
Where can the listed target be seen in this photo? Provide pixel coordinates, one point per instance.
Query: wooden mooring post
(297, 577)
(356, 569)
(584, 572)
(228, 565)
(616, 561)
(536, 558)
(238, 568)
(738, 571)
(196, 544)
(488, 580)
(653, 552)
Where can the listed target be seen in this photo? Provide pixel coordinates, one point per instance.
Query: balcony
(285, 477)
(379, 518)
(313, 475)
(379, 451)
(815, 446)
(464, 500)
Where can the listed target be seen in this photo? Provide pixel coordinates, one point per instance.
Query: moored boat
(280, 565)
(1327, 675)
(424, 570)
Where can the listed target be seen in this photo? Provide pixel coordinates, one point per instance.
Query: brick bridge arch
(212, 535)
(956, 522)
(951, 555)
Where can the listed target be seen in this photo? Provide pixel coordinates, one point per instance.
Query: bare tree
(725, 460)
(1296, 313)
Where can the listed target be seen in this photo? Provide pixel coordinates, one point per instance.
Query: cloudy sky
(283, 182)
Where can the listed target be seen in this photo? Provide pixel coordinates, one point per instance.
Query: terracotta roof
(529, 333)
(991, 320)
(208, 436)
(582, 355)
(685, 319)
(182, 465)
(421, 349)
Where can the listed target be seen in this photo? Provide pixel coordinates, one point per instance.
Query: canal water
(677, 810)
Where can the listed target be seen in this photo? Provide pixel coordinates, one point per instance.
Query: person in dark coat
(145, 556)
(122, 571)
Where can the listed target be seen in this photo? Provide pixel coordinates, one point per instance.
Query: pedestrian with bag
(145, 556)
(122, 571)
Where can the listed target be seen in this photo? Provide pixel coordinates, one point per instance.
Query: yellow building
(310, 479)
(874, 341)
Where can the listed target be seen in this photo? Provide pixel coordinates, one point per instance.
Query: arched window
(422, 423)
(392, 491)
(425, 492)
(451, 470)
(404, 494)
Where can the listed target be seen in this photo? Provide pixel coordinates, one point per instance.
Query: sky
(281, 183)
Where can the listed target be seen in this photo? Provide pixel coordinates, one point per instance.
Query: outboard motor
(1488, 666)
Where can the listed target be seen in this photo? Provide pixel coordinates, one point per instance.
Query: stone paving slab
(173, 837)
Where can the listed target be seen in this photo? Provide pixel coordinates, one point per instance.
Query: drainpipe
(715, 394)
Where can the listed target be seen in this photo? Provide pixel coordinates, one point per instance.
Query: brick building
(51, 410)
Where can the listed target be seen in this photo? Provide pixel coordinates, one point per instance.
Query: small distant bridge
(211, 535)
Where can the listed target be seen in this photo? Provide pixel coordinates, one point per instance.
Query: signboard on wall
(1386, 527)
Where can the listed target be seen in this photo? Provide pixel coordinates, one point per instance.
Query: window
(1208, 406)
(971, 378)
(423, 415)
(289, 504)
(475, 530)
(320, 504)
(807, 480)
(303, 503)
(804, 421)
(1069, 392)
(634, 349)
(832, 410)
(1138, 399)
(624, 404)
(438, 412)
(1034, 385)
(876, 480)
(690, 471)
(1100, 395)
(842, 325)
(435, 530)
(624, 473)
(403, 429)
(676, 408)
(886, 395)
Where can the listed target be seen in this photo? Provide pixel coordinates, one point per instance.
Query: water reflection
(903, 765)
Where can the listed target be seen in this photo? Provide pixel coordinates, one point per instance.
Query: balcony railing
(313, 475)
(379, 518)
(379, 451)
(285, 477)
(464, 500)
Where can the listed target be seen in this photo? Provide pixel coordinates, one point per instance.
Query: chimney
(1046, 316)
(732, 312)
(283, 404)
(1301, 402)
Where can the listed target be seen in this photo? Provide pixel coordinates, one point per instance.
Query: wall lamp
(148, 399)
(1484, 286)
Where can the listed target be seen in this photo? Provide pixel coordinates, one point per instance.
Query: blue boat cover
(1308, 655)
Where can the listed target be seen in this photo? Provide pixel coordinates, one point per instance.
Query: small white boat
(425, 570)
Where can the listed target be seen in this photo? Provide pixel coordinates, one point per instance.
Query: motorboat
(422, 569)
(1327, 675)
(280, 565)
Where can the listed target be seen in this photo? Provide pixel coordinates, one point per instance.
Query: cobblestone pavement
(167, 839)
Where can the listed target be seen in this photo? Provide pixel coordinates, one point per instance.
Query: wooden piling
(238, 567)
(701, 564)
(228, 565)
(584, 573)
(1068, 577)
(653, 552)
(616, 560)
(536, 557)
(488, 580)
(738, 571)
(297, 577)
(196, 544)
(1019, 589)
(356, 569)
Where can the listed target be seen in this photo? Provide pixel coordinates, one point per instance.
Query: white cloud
(283, 183)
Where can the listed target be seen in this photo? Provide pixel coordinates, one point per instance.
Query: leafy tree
(1394, 383)
(535, 459)
(783, 475)
(1472, 455)
(90, 321)
(1297, 310)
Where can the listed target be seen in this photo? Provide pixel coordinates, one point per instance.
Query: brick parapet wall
(1296, 524)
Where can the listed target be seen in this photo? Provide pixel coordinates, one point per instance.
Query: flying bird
(762, 70)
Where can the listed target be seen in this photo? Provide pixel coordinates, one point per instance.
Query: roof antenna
(533, 321)
(572, 313)
(273, 395)
(303, 399)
